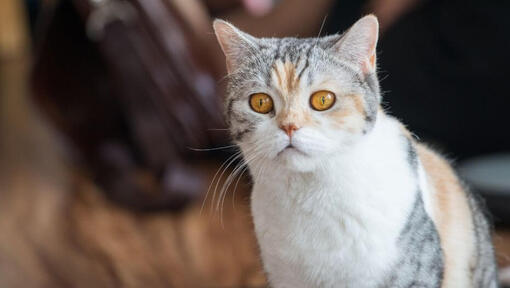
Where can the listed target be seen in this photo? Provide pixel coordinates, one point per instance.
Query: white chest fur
(337, 226)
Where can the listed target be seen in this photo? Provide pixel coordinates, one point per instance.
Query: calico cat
(343, 196)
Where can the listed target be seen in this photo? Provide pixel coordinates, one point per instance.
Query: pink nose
(289, 129)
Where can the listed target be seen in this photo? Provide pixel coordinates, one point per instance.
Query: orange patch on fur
(286, 78)
(351, 114)
(287, 81)
(295, 117)
(452, 217)
(404, 131)
(372, 61)
(290, 71)
(276, 74)
(359, 103)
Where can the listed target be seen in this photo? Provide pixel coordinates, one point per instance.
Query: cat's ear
(236, 45)
(358, 44)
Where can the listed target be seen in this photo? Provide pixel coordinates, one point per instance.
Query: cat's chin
(295, 160)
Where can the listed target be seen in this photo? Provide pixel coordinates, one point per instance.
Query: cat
(343, 195)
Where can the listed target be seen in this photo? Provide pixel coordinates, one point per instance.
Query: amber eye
(261, 103)
(322, 100)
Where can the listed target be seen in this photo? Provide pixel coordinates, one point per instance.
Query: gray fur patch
(421, 259)
(412, 156)
(484, 272)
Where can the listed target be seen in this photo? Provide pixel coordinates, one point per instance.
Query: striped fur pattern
(349, 199)
(484, 271)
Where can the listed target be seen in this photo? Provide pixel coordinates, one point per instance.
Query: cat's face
(296, 102)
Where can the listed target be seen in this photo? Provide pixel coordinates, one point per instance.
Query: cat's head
(297, 102)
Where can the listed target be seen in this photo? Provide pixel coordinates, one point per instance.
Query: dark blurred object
(119, 79)
(447, 71)
(33, 9)
(490, 175)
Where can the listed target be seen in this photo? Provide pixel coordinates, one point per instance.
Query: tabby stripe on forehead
(277, 54)
(307, 63)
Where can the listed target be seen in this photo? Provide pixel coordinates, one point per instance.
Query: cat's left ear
(236, 45)
(358, 44)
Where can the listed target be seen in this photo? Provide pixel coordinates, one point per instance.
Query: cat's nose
(289, 129)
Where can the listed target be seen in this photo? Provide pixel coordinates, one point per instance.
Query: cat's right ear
(236, 45)
(359, 43)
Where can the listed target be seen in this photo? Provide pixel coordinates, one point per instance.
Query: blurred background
(111, 128)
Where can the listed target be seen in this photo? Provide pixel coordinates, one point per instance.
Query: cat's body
(343, 196)
(371, 223)
(355, 216)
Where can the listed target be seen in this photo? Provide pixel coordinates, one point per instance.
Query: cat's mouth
(290, 149)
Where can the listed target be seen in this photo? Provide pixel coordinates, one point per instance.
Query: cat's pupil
(323, 100)
(260, 102)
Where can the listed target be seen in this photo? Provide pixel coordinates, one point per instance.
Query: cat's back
(461, 224)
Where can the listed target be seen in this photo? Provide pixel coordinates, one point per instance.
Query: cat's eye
(322, 100)
(261, 103)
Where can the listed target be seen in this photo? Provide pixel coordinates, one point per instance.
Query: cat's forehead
(293, 49)
(285, 63)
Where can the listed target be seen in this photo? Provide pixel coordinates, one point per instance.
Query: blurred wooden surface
(70, 236)
(58, 230)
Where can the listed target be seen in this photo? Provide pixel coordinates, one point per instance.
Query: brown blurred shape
(122, 80)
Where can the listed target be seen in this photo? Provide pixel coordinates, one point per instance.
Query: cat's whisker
(250, 155)
(235, 187)
(217, 129)
(254, 176)
(260, 172)
(223, 193)
(223, 170)
(214, 177)
(224, 189)
(221, 176)
(320, 29)
(239, 178)
(212, 149)
(246, 168)
(240, 175)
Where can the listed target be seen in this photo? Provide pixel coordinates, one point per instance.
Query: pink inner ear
(372, 60)
(233, 42)
(369, 66)
(359, 43)
(226, 37)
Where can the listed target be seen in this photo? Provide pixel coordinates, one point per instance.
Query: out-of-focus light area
(111, 128)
